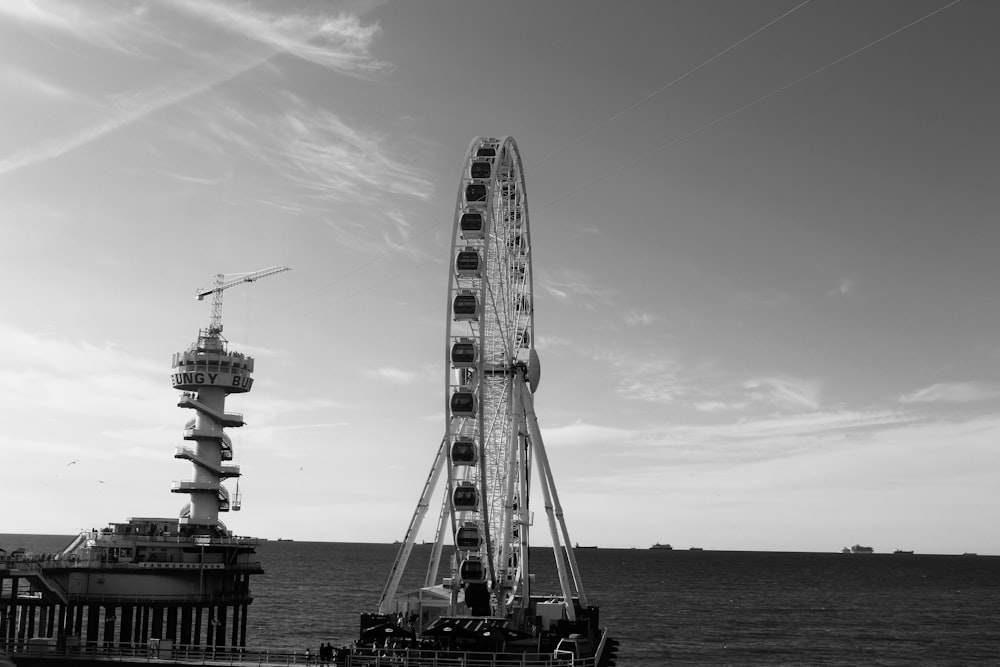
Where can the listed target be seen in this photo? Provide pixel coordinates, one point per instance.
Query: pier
(123, 587)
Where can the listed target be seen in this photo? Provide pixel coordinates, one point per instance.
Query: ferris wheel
(489, 342)
(492, 442)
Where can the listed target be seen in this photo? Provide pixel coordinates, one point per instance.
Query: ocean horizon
(45, 541)
(677, 607)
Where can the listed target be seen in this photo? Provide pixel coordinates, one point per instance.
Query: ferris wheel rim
(492, 280)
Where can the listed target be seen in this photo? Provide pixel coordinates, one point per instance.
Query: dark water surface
(676, 607)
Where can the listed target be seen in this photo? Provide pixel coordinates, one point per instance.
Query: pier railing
(154, 652)
(424, 658)
(162, 653)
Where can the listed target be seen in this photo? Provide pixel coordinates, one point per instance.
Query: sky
(763, 238)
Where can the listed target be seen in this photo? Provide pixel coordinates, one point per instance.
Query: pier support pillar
(156, 627)
(3, 611)
(29, 622)
(22, 623)
(220, 635)
(67, 623)
(125, 628)
(93, 618)
(11, 610)
(186, 625)
(109, 626)
(136, 623)
(210, 627)
(197, 627)
(171, 633)
(235, 634)
(243, 625)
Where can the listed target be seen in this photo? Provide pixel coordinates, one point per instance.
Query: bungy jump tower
(207, 373)
(176, 584)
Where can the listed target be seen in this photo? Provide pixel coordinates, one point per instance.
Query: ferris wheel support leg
(524, 525)
(434, 563)
(549, 488)
(558, 550)
(389, 592)
(506, 583)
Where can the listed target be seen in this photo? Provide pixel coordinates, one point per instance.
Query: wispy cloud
(784, 392)
(575, 287)
(800, 425)
(314, 159)
(339, 43)
(316, 163)
(23, 81)
(657, 375)
(661, 376)
(953, 392)
(113, 27)
(393, 375)
(334, 161)
(843, 289)
(657, 380)
(99, 385)
(65, 356)
(122, 111)
(581, 434)
(865, 458)
(737, 439)
(639, 318)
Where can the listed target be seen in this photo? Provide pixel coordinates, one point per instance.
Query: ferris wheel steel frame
(492, 442)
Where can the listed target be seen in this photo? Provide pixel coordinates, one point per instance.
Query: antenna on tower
(224, 281)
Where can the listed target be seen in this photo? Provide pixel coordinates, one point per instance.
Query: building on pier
(181, 581)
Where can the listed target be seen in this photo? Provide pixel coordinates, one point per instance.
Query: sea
(677, 607)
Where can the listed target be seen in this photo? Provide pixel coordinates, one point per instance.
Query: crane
(224, 281)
